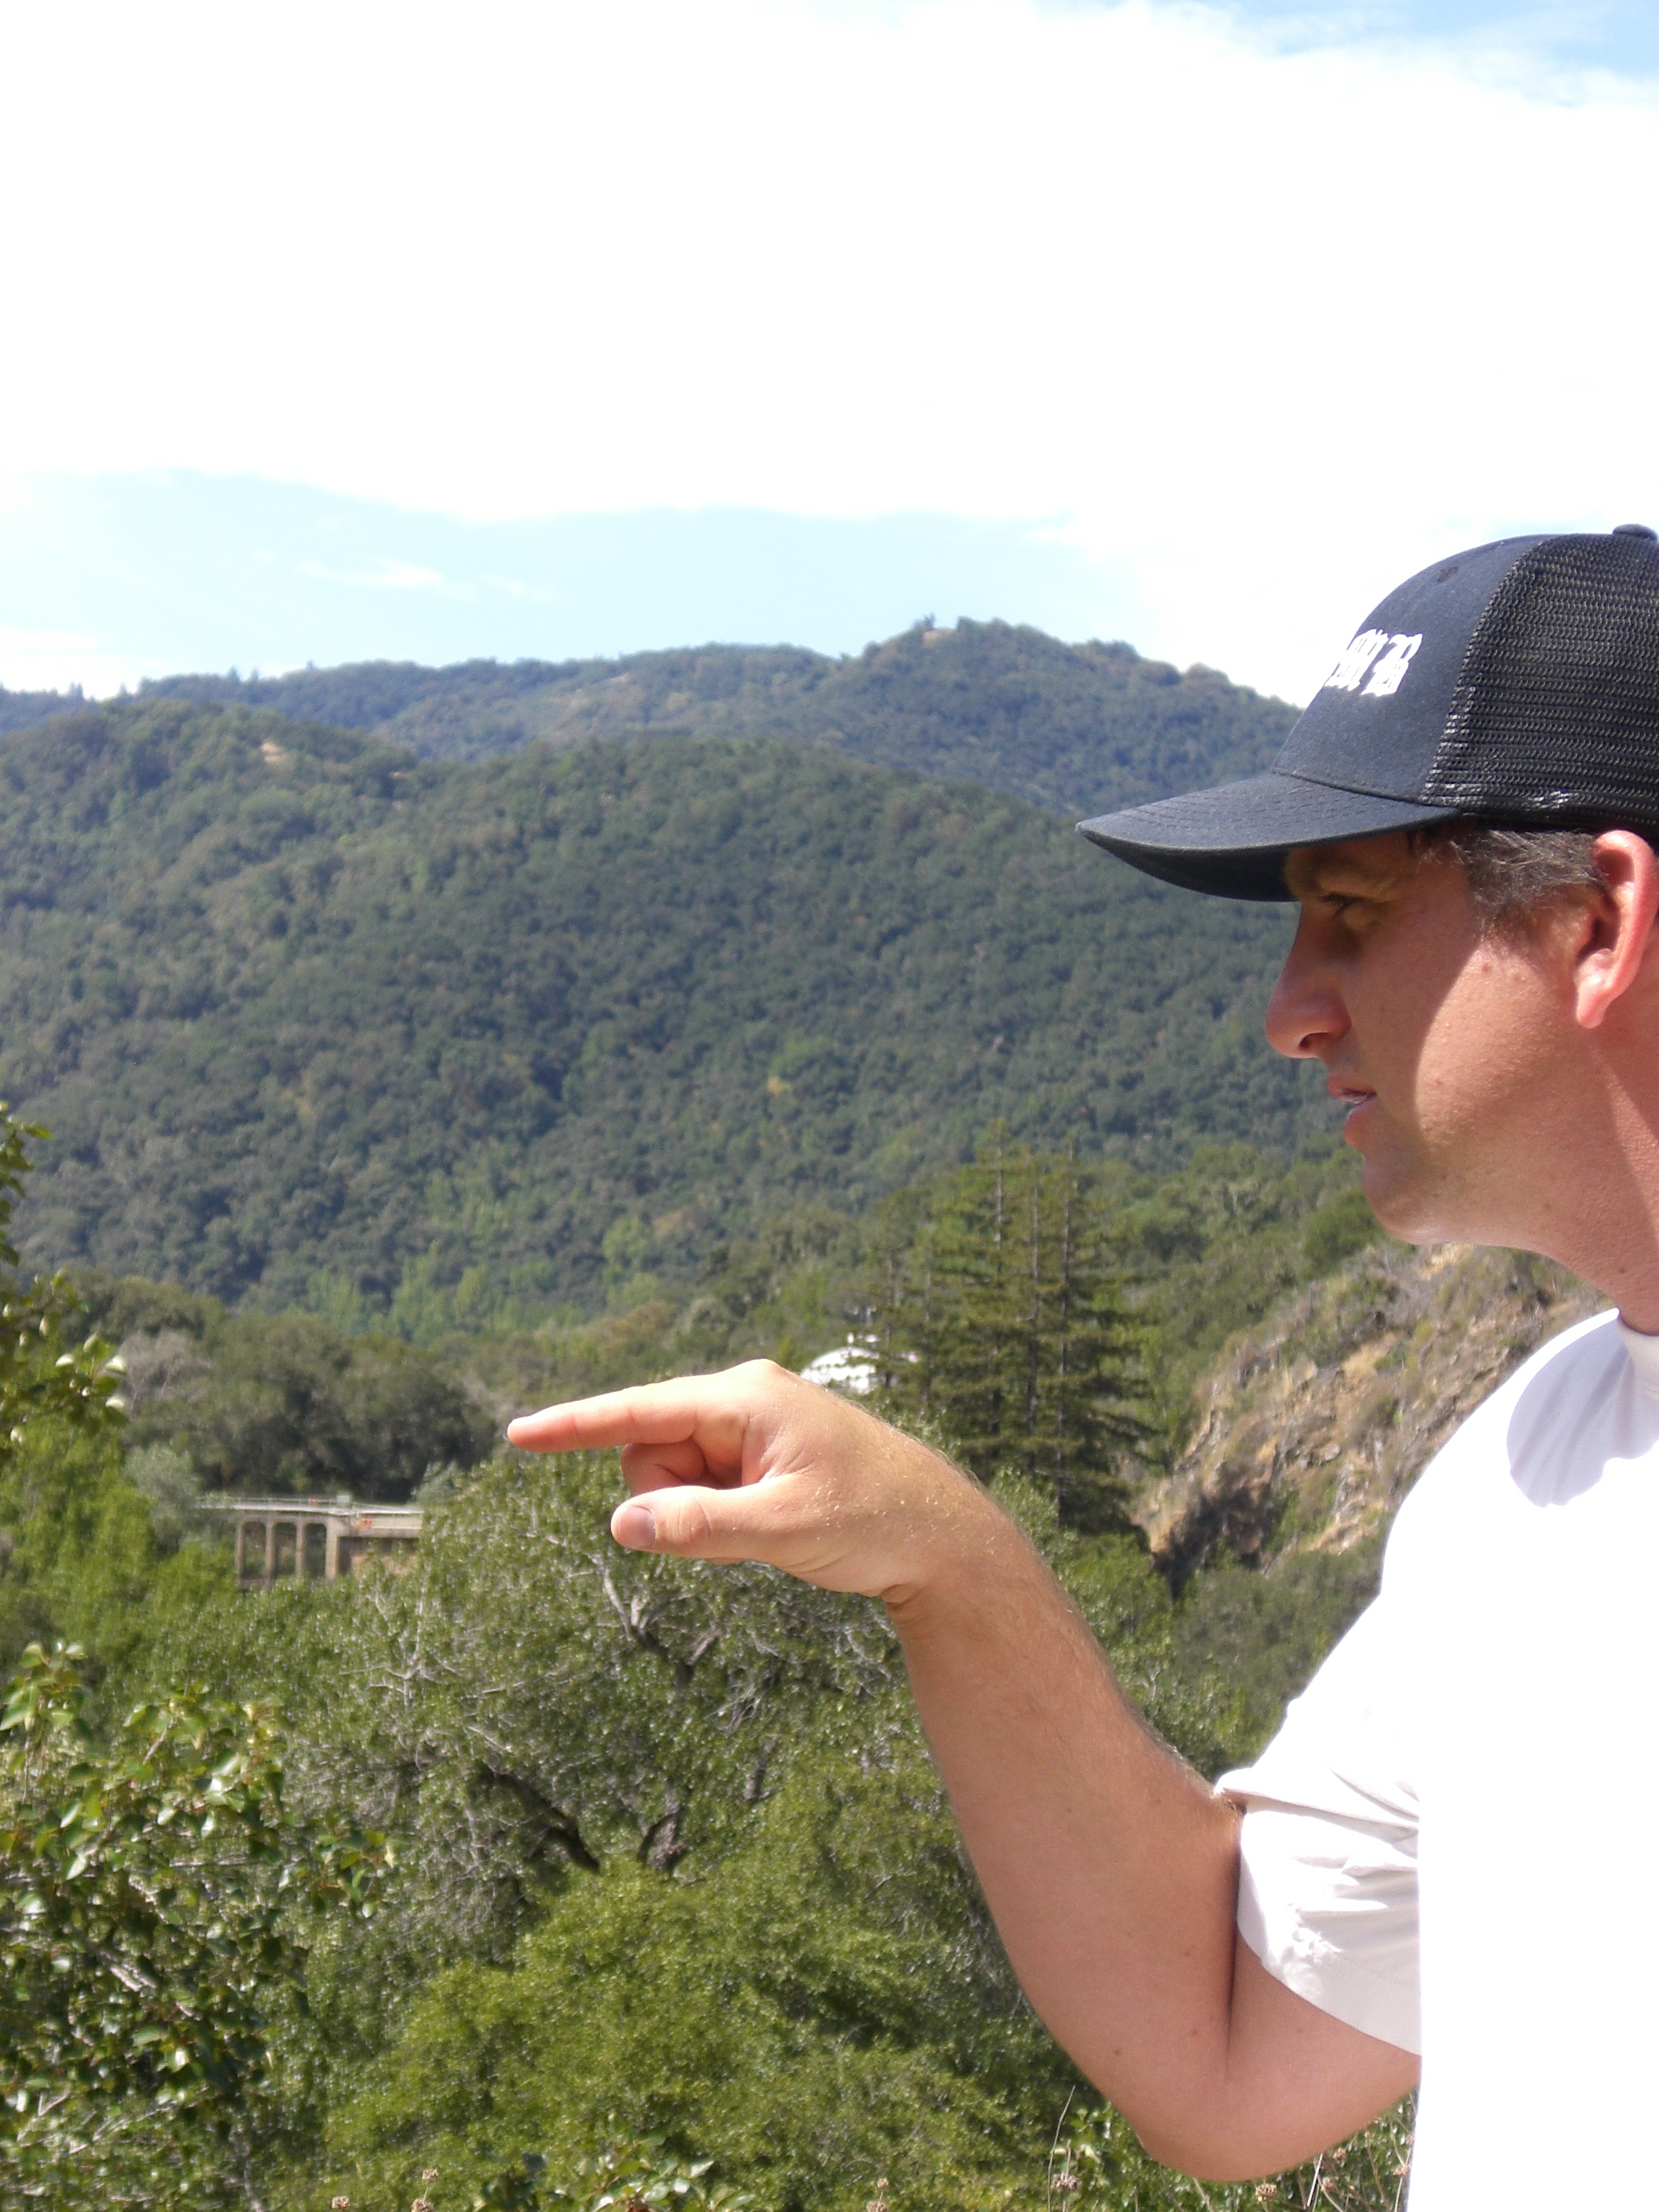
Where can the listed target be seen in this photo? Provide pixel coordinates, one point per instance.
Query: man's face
(1441, 1039)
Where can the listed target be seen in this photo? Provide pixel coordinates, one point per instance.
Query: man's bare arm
(1109, 1867)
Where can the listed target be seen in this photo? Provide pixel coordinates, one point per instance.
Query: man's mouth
(1348, 1094)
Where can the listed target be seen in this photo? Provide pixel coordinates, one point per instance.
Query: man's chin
(1398, 1188)
(1422, 1200)
(1401, 1204)
(1412, 1210)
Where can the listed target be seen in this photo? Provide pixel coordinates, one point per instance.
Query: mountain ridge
(1076, 729)
(298, 1005)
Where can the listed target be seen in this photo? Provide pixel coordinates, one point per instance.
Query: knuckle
(689, 1528)
(766, 1372)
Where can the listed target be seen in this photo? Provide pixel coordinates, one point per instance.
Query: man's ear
(1618, 926)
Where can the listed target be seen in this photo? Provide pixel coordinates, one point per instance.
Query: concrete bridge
(317, 1538)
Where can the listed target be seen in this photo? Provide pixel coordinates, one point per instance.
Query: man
(1448, 1849)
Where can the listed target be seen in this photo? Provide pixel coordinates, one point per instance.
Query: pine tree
(979, 1331)
(998, 1313)
(1086, 1358)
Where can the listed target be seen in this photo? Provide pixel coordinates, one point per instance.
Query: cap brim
(1233, 840)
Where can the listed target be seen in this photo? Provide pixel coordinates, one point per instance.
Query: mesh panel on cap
(1555, 718)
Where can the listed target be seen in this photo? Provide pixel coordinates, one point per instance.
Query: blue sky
(177, 563)
(549, 329)
(1620, 35)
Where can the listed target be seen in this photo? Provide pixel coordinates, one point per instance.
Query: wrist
(964, 1543)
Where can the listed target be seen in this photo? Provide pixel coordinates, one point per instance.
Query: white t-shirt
(1452, 1842)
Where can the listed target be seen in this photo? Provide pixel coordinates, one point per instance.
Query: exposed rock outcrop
(1317, 1423)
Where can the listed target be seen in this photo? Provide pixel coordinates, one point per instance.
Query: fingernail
(635, 1526)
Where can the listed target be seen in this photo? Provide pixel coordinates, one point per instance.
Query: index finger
(689, 1409)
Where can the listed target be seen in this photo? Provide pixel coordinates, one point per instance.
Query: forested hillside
(1075, 728)
(320, 1024)
(572, 1870)
(21, 710)
(655, 1854)
(545, 1875)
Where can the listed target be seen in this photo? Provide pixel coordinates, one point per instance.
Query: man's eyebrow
(1308, 875)
(1313, 874)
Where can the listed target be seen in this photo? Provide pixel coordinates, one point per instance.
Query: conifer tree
(997, 1313)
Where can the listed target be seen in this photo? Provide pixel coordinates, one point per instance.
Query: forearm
(1111, 1871)
(1109, 1867)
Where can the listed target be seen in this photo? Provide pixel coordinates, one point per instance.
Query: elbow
(1209, 2146)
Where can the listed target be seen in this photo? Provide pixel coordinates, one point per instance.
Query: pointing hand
(756, 1464)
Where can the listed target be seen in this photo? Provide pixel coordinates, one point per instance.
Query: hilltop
(1073, 728)
(21, 710)
(316, 1023)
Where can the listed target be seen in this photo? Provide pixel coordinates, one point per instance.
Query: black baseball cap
(1517, 684)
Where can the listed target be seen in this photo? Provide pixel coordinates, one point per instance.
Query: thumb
(695, 1523)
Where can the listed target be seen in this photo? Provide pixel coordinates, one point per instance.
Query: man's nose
(1305, 1014)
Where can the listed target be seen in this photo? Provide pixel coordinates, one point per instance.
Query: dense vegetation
(1171, 1269)
(667, 1875)
(1076, 728)
(670, 1861)
(21, 710)
(540, 1074)
(281, 1402)
(433, 1047)
(996, 1311)
(673, 1863)
(153, 1892)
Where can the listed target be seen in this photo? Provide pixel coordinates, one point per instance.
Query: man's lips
(1348, 1094)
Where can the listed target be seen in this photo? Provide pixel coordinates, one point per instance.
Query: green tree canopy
(425, 1047)
(997, 1311)
(147, 1935)
(42, 1376)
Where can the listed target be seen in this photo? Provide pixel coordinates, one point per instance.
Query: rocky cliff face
(1317, 1422)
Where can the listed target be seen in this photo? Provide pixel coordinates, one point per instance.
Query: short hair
(1513, 874)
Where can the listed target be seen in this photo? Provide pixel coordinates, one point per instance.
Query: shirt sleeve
(1327, 1879)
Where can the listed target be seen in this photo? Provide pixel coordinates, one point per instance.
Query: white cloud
(1262, 330)
(384, 576)
(58, 660)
